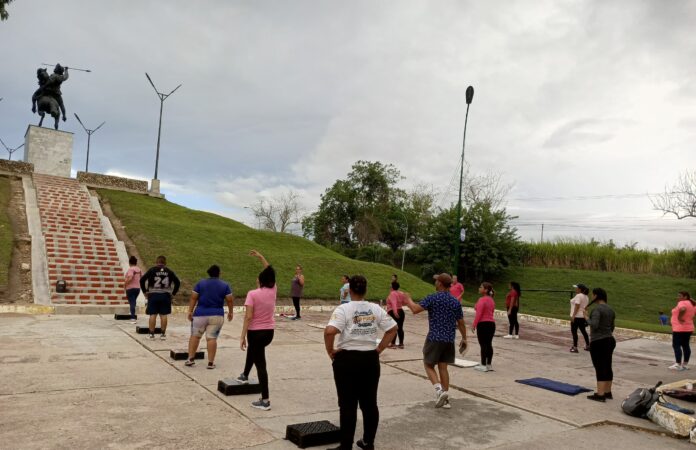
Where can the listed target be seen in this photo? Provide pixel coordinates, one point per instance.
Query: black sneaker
(152, 336)
(243, 378)
(596, 397)
(262, 404)
(211, 365)
(608, 396)
(365, 446)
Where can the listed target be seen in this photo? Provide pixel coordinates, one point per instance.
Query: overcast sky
(584, 106)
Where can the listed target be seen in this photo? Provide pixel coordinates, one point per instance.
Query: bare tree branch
(679, 199)
(278, 214)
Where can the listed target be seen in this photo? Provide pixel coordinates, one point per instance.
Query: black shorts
(438, 352)
(159, 303)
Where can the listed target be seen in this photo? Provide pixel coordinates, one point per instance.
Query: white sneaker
(517, 336)
(675, 366)
(481, 368)
(508, 336)
(442, 397)
(489, 367)
(447, 405)
(685, 367)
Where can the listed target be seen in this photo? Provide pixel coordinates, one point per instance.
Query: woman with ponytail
(484, 325)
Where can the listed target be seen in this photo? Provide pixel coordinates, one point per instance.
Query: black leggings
(512, 318)
(258, 340)
(601, 352)
(579, 323)
(484, 334)
(296, 304)
(680, 342)
(399, 318)
(356, 374)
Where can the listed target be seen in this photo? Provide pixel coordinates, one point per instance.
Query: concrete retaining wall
(97, 180)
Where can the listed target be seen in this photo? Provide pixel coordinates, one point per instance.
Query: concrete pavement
(91, 382)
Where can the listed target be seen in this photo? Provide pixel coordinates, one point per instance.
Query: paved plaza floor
(92, 382)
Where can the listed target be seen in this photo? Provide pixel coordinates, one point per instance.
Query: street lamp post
(155, 182)
(460, 235)
(10, 150)
(89, 137)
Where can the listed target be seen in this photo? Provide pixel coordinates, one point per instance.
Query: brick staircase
(77, 249)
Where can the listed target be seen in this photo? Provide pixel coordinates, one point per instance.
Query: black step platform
(146, 330)
(180, 355)
(230, 386)
(310, 434)
(123, 316)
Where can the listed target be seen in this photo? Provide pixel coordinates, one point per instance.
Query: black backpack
(639, 402)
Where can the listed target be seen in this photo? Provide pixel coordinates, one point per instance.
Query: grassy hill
(193, 240)
(636, 298)
(5, 230)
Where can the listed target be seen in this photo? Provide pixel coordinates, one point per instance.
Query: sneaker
(508, 336)
(587, 348)
(676, 366)
(243, 378)
(447, 405)
(596, 397)
(685, 367)
(189, 363)
(401, 347)
(211, 365)
(365, 446)
(163, 337)
(573, 349)
(490, 368)
(517, 336)
(133, 321)
(152, 336)
(262, 404)
(481, 368)
(441, 398)
(608, 396)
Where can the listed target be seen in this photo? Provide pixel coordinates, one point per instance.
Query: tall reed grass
(607, 257)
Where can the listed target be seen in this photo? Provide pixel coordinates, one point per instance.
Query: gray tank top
(296, 288)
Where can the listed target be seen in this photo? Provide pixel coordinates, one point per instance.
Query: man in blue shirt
(444, 317)
(207, 313)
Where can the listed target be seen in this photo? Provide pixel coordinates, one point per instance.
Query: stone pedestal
(49, 150)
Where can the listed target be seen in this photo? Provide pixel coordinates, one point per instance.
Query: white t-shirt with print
(358, 322)
(582, 300)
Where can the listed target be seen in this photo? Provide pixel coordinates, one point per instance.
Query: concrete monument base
(49, 150)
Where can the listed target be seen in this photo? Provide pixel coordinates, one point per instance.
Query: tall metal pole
(159, 133)
(469, 98)
(403, 255)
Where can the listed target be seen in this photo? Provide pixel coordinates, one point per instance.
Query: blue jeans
(132, 295)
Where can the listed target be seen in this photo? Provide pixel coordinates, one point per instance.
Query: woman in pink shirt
(395, 308)
(484, 326)
(259, 322)
(682, 329)
(132, 285)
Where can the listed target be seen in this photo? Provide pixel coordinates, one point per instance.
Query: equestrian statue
(48, 97)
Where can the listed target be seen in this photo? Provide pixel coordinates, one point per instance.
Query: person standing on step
(457, 289)
(159, 285)
(484, 326)
(344, 292)
(577, 316)
(512, 304)
(132, 285)
(207, 314)
(682, 329)
(395, 308)
(445, 316)
(258, 329)
(296, 290)
(355, 358)
(602, 344)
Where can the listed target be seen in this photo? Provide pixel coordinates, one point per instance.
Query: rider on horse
(49, 86)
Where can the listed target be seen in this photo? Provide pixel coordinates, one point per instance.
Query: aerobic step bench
(123, 317)
(146, 330)
(311, 434)
(230, 386)
(180, 355)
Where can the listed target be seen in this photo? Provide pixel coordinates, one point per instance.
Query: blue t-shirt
(211, 297)
(443, 313)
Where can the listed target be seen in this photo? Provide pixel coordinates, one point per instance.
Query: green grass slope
(636, 298)
(193, 240)
(5, 230)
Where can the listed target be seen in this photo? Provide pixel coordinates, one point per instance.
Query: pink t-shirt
(136, 273)
(485, 306)
(395, 301)
(263, 300)
(456, 290)
(688, 317)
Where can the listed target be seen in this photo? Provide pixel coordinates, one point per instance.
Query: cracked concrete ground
(92, 382)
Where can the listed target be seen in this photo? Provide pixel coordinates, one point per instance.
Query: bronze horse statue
(48, 97)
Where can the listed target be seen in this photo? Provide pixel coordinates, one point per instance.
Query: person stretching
(484, 326)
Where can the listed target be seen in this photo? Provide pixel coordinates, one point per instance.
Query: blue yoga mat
(555, 386)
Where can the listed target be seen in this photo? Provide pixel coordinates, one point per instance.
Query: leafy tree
(3, 9)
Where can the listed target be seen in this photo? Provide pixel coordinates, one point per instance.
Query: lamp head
(469, 94)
